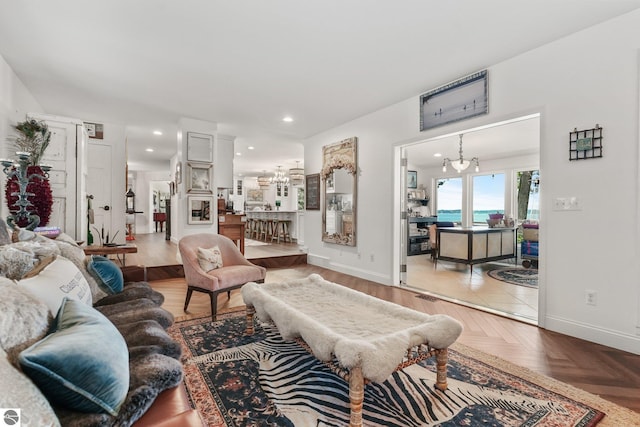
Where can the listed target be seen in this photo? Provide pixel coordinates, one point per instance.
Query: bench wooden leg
(441, 369)
(250, 311)
(356, 396)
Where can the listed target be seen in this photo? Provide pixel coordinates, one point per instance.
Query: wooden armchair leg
(214, 305)
(186, 301)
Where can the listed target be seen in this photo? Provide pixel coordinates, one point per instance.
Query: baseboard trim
(593, 333)
(325, 262)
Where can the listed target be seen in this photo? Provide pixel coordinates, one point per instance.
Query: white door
(62, 156)
(99, 186)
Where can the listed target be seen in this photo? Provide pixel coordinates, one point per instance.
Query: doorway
(159, 194)
(508, 177)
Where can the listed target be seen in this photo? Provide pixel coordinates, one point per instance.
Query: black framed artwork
(412, 179)
(459, 100)
(312, 192)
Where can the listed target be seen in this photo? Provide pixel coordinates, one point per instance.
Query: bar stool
(255, 229)
(247, 229)
(263, 229)
(281, 231)
(273, 226)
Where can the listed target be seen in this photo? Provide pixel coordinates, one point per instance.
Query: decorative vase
(40, 196)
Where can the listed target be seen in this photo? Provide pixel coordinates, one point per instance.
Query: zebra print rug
(262, 380)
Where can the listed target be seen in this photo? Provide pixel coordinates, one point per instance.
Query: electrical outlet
(591, 297)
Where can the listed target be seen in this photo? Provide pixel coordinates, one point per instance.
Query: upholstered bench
(361, 337)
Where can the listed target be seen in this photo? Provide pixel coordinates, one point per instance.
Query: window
(528, 195)
(488, 196)
(449, 199)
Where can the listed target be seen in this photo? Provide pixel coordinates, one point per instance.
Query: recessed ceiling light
(251, 147)
(238, 154)
(157, 132)
(150, 150)
(437, 155)
(287, 119)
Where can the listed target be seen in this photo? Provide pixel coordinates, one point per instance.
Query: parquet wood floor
(612, 374)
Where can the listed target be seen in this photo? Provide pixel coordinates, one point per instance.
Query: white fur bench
(369, 337)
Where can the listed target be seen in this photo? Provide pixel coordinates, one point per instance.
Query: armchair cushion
(210, 259)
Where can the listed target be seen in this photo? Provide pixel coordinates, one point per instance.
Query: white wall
(586, 79)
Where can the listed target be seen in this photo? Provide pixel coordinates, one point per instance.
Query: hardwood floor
(612, 374)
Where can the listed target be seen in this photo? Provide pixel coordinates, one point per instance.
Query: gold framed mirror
(339, 178)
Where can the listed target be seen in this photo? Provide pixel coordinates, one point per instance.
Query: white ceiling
(518, 137)
(246, 64)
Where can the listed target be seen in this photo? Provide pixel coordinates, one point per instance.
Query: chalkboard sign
(312, 192)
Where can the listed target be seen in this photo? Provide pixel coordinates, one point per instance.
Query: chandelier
(264, 181)
(279, 177)
(460, 164)
(296, 174)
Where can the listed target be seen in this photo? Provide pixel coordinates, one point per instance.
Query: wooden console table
(112, 250)
(232, 226)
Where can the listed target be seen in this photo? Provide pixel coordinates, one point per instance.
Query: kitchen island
(475, 245)
(277, 215)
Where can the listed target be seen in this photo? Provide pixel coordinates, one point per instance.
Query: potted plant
(30, 143)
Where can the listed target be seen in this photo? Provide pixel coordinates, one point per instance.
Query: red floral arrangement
(33, 138)
(41, 201)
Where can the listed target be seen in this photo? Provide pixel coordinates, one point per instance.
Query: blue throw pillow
(83, 364)
(108, 274)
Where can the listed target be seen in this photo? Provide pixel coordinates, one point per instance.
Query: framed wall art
(412, 179)
(199, 147)
(199, 209)
(94, 130)
(254, 195)
(585, 144)
(312, 192)
(199, 177)
(459, 100)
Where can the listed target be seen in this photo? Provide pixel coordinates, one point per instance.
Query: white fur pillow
(210, 259)
(23, 318)
(61, 278)
(17, 391)
(16, 262)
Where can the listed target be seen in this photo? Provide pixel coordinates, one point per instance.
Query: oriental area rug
(262, 380)
(516, 276)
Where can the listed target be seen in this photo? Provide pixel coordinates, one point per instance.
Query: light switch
(567, 204)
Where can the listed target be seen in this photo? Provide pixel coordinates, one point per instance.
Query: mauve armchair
(236, 270)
